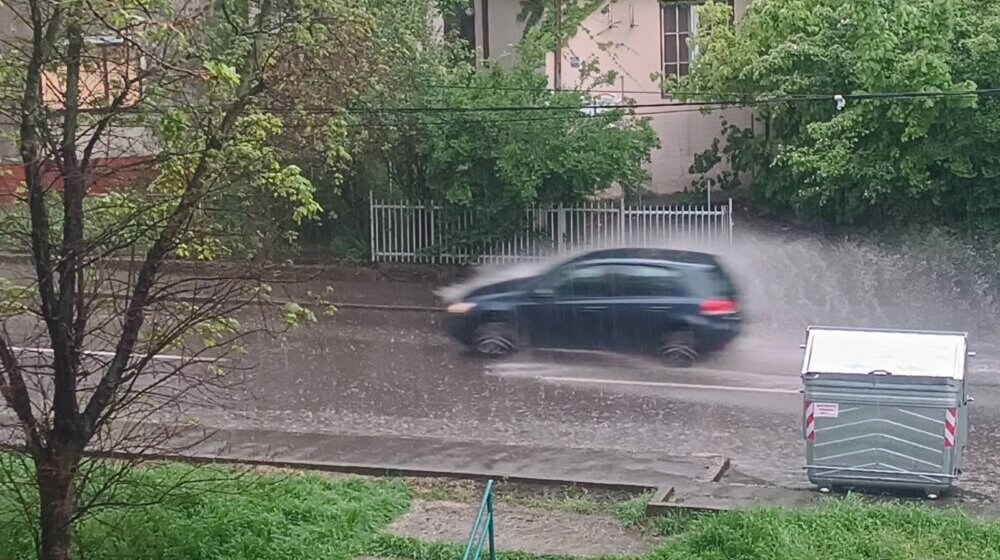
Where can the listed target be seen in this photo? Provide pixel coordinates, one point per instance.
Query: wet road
(377, 372)
(393, 373)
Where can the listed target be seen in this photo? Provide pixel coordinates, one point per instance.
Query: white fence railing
(427, 233)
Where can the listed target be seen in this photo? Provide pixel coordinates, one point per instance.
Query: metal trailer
(884, 409)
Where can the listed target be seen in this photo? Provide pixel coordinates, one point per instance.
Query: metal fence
(429, 233)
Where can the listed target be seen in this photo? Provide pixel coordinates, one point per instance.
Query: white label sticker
(827, 410)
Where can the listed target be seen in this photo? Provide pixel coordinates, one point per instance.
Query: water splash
(933, 282)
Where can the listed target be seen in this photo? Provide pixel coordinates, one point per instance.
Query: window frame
(621, 275)
(568, 275)
(676, 34)
(102, 49)
(692, 6)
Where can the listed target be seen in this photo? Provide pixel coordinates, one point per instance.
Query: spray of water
(933, 282)
(489, 273)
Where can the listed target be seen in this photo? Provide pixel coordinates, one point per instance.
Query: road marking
(106, 354)
(671, 385)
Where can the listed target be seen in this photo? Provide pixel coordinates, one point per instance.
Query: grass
(216, 513)
(849, 528)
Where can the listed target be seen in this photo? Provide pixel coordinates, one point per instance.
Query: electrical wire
(578, 116)
(733, 102)
(823, 96)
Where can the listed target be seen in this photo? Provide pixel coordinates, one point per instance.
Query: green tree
(491, 136)
(201, 95)
(875, 158)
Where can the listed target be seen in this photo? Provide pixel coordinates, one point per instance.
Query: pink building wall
(625, 36)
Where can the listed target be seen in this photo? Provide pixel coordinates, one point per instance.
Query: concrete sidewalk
(695, 482)
(430, 457)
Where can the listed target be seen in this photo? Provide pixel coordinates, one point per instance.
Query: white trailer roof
(902, 353)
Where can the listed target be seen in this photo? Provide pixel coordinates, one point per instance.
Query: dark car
(676, 304)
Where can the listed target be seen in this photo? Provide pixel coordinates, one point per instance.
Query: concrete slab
(721, 496)
(430, 457)
(727, 496)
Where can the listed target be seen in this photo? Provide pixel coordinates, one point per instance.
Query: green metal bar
(485, 507)
(482, 540)
(489, 527)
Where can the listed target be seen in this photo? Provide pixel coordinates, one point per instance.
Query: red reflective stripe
(810, 420)
(950, 423)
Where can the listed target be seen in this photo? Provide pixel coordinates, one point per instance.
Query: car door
(648, 300)
(572, 309)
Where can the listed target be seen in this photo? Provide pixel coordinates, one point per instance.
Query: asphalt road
(374, 372)
(394, 374)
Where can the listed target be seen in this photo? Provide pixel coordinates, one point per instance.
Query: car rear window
(714, 282)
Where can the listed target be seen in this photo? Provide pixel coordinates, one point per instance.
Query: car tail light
(718, 307)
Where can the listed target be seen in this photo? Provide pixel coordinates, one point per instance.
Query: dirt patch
(539, 495)
(524, 529)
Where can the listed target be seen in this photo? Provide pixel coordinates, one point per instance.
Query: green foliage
(292, 314)
(849, 528)
(632, 512)
(201, 117)
(428, 129)
(215, 513)
(512, 158)
(13, 299)
(876, 159)
(484, 144)
(247, 62)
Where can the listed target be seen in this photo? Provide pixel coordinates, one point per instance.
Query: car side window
(584, 282)
(646, 281)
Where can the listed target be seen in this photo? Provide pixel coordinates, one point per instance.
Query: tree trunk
(57, 492)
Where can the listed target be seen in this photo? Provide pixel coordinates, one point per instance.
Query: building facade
(636, 39)
(112, 67)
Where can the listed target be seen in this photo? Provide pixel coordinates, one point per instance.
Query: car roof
(672, 256)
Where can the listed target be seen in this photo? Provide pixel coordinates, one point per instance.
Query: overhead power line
(561, 117)
(721, 95)
(747, 101)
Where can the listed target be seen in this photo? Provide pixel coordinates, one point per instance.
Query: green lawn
(214, 514)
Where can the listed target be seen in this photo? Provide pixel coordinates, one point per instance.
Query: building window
(110, 67)
(677, 23)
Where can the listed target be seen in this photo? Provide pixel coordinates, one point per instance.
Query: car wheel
(494, 340)
(677, 349)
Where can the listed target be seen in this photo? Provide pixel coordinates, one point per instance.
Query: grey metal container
(884, 409)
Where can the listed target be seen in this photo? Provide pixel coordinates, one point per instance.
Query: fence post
(621, 221)
(561, 230)
(730, 209)
(371, 224)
